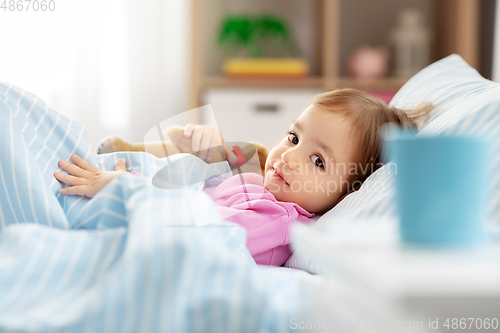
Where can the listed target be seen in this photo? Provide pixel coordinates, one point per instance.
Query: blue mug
(441, 187)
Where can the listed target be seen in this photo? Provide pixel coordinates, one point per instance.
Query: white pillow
(464, 103)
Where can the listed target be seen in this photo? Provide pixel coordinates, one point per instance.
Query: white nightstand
(417, 286)
(261, 115)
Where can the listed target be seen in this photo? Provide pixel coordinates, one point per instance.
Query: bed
(138, 258)
(135, 258)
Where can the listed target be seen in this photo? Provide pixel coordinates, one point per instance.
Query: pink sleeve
(265, 219)
(267, 226)
(135, 173)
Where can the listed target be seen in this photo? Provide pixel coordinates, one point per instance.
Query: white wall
(39, 52)
(118, 66)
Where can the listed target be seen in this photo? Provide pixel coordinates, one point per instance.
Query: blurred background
(121, 67)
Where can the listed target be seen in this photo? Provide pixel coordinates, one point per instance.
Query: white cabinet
(394, 285)
(261, 115)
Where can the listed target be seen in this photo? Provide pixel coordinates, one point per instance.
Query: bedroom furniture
(328, 31)
(134, 257)
(257, 114)
(421, 284)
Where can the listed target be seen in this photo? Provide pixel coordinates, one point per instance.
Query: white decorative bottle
(411, 39)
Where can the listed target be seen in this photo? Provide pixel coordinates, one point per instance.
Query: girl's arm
(86, 179)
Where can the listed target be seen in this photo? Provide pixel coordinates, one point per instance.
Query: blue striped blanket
(132, 259)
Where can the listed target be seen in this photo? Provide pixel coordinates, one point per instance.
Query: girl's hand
(86, 179)
(203, 137)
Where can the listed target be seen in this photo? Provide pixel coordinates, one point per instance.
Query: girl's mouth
(279, 176)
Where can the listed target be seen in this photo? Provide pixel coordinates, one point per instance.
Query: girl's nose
(289, 158)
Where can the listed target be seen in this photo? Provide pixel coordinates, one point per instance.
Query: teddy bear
(236, 154)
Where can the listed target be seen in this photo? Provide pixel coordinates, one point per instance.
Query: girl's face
(313, 164)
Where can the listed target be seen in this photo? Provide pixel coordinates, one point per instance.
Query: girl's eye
(317, 162)
(293, 138)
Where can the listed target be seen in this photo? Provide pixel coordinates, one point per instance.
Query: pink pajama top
(266, 220)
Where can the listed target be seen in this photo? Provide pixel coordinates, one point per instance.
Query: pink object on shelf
(368, 62)
(386, 96)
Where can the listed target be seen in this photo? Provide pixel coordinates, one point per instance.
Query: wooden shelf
(390, 83)
(312, 82)
(456, 31)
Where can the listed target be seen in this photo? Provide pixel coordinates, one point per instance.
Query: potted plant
(261, 46)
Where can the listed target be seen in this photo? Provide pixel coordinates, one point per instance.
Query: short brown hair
(367, 114)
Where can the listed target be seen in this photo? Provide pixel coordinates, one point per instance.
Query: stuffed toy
(236, 155)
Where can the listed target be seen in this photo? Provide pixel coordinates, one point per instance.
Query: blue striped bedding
(132, 259)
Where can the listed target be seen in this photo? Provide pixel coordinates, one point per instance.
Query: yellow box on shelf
(265, 67)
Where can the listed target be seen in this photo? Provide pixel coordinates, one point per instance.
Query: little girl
(331, 148)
